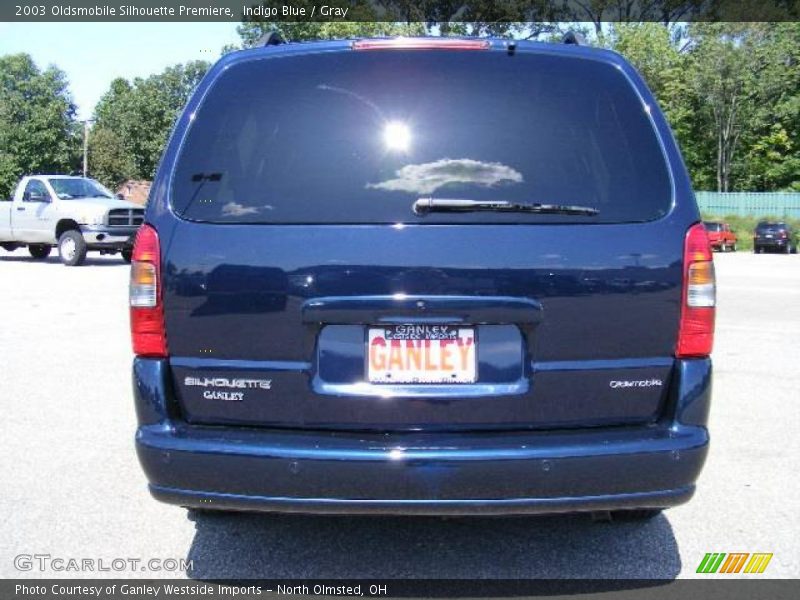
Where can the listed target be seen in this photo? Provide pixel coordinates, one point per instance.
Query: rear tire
(788, 249)
(72, 248)
(127, 255)
(193, 514)
(39, 251)
(639, 514)
(733, 248)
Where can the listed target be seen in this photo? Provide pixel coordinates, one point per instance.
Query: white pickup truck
(75, 214)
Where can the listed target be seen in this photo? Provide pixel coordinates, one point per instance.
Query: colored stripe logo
(734, 562)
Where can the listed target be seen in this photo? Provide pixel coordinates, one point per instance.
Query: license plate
(421, 354)
(769, 235)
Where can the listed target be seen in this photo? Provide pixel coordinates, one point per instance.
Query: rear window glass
(765, 225)
(713, 226)
(357, 137)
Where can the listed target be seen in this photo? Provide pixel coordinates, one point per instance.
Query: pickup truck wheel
(127, 255)
(39, 251)
(733, 248)
(72, 248)
(9, 246)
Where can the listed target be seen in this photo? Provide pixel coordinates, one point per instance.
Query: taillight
(147, 310)
(696, 329)
(421, 44)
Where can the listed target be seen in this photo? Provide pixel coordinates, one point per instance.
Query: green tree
(770, 159)
(38, 130)
(724, 78)
(134, 120)
(597, 12)
(731, 92)
(109, 159)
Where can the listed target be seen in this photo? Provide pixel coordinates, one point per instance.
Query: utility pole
(86, 146)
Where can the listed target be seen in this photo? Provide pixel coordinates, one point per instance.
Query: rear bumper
(438, 507)
(535, 473)
(773, 243)
(423, 473)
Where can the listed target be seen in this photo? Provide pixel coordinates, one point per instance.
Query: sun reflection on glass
(397, 136)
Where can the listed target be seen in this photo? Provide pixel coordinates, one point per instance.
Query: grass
(744, 227)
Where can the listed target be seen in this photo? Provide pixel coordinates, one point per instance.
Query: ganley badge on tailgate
(225, 382)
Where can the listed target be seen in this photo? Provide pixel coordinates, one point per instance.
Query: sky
(93, 54)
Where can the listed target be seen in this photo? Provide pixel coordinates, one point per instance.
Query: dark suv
(431, 276)
(776, 236)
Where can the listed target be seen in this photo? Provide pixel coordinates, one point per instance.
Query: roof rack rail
(574, 38)
(271, 38)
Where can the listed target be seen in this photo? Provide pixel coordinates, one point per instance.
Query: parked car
(76, 214)
(720, 236)
(776, 236)
(393, 287)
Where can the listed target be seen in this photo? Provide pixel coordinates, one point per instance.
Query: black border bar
(712, 586)
(429, 11)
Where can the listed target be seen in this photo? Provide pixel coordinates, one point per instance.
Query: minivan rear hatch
(302, 289)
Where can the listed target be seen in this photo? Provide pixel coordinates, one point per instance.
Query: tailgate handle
(402, 308)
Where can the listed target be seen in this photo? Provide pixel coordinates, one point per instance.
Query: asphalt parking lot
(72, 487)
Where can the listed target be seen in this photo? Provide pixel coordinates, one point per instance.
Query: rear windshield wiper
(424, 206)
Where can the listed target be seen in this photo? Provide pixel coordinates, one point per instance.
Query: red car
(720, 236)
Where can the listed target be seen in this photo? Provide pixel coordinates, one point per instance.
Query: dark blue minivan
(422, 276)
